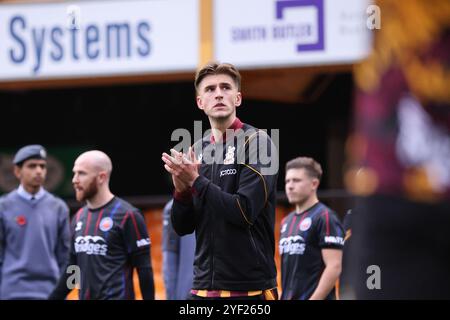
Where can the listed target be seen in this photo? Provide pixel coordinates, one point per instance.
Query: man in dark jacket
(225, 188)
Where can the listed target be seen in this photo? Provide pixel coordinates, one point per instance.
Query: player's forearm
(62, 289)
(141, 261)
(146, 283)
(327, 282)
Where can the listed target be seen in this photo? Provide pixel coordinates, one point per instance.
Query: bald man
(109, 241)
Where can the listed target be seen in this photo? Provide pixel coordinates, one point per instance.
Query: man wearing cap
(34, 231)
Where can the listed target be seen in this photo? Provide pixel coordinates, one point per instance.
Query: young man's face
(32, 173)
(218, 96)
(84, 181)
(299, 186)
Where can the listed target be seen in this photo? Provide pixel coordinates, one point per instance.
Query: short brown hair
(214, 68)
(311, 166)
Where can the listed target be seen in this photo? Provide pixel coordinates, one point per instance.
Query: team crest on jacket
(306, 224)
(229, 156)
(106, 224)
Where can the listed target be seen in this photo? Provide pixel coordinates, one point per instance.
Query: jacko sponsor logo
(228, 172)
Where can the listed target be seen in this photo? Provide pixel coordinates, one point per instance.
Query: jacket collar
(236, 125)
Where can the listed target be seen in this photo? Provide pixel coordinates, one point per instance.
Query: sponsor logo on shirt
(106, 224)
(94, 245)
(292, 245)
(334, 240)
(228, 172)
(143, 242)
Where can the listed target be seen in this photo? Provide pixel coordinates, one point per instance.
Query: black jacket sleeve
(182, 214)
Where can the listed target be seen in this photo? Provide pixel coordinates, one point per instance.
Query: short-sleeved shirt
(104, 241)
(303, 236)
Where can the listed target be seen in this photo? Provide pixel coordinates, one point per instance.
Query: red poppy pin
(21, 220)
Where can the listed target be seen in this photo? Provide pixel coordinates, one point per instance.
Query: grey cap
(33, 151)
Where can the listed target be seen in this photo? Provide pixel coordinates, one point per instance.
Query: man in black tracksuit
(225, 189)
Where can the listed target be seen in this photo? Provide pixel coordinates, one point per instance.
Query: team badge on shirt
(306, 224)
(229, 156)
(106, 224)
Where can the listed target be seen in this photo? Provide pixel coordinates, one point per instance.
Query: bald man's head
(91, 174)
(96, 160)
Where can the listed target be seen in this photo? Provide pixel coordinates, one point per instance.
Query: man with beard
(109, 240)
(34, 231)
(312, 237)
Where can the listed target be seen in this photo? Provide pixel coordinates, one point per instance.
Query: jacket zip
(254, 244)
